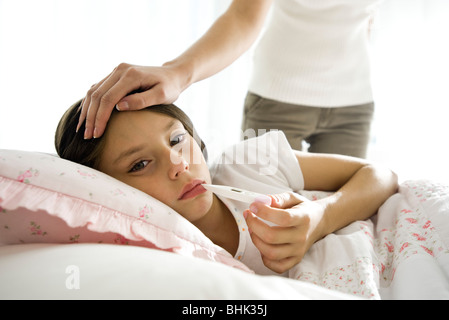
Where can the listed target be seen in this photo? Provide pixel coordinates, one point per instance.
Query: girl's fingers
(279, 217)
(271, 251)
(278, 257)
(270, 234)
(286, 200)
(281, 266)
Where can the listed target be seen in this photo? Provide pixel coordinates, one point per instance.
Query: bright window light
(52, 51)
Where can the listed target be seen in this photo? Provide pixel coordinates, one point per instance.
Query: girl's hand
(296, 228)
(154, 85)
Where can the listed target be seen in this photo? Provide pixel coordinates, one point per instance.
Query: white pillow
(46, 199)
(102, 271)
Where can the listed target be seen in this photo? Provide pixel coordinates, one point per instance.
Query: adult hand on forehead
(296, 228)
(128, 87)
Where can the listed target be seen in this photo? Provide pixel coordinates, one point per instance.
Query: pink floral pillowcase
(45, 199)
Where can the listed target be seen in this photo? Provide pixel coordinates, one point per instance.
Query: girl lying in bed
(157, 151)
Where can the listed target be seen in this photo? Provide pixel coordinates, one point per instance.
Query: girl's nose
(177, 167)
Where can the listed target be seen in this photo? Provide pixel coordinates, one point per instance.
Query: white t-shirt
(266, 165)
(316, 53)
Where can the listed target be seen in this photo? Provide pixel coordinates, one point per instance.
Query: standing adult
(311, 74)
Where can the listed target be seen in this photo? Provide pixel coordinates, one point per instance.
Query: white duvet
(401, 253)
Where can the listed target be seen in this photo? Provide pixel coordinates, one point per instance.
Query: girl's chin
(195, 209)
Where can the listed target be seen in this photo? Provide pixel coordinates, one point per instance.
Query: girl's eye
(139, 166)
(177, 139)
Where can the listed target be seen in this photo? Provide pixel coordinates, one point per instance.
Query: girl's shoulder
(267, 159)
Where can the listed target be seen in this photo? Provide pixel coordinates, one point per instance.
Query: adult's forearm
(229, 37)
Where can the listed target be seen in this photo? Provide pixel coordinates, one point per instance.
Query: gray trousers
(342, 130)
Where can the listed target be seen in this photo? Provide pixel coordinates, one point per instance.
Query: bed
(71, 232)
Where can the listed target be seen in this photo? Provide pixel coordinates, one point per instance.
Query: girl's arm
(228, 38)
(359, 187)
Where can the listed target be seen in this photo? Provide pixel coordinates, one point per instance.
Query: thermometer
(238, 194)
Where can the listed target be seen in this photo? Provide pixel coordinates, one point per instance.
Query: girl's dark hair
(72, 146)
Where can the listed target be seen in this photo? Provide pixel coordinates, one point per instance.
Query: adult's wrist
(182, 71)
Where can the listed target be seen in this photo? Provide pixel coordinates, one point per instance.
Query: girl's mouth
(192, 189)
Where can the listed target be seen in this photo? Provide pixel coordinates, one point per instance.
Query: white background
(52, 51)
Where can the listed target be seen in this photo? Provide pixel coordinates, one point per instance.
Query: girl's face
(155, 154)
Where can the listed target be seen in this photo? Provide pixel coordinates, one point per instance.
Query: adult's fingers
(103, 97)
(101, 108)
(152, 86)
(85, 105)
(154, 96)
(88, 107)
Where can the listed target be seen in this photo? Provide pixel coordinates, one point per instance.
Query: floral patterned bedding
(401, 253)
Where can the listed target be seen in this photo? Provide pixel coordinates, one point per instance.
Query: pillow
(46, 199)
(101, 272)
